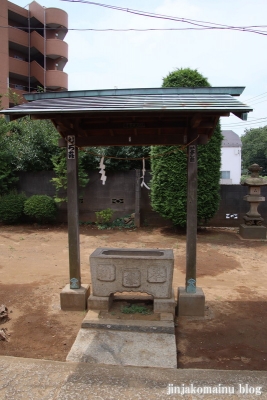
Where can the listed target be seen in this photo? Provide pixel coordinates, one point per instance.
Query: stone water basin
(132, 270)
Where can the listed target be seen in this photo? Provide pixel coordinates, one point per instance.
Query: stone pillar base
(165, 305)
(190, 304)
(252, 232)
(99, 303)
(74, 299)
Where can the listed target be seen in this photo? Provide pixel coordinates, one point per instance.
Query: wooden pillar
(73, 213)
(137, 198)
(191, 224)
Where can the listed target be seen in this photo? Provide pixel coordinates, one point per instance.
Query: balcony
(18, 11)
(56, 80)
(56, 18)
(18, 36)
(37, 41)
(53, 17)
(37, 72)
(56, 48)
(52, 79)
(18, 67)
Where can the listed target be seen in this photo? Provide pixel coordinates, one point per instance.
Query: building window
(225, 174)
(19, 87)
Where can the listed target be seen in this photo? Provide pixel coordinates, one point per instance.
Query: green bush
(11, 207)
(41, 208)
(104, 217)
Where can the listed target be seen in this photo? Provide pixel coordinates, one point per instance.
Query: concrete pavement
(31, 379)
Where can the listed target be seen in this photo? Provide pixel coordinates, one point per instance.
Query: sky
(107, 60)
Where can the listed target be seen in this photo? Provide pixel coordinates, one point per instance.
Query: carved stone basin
(132, 270)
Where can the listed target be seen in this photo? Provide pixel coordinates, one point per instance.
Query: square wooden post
(191, 219)
(74, 295)
(73, 214)
(191, 300)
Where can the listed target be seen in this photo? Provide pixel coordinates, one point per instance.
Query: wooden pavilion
(125, 117)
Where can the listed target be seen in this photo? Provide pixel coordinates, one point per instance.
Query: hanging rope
(143, 177)
(102, 165)
(102, 171)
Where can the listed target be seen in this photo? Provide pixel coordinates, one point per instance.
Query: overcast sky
(103, 60)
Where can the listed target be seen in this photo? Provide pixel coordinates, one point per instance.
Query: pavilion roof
(134, 116)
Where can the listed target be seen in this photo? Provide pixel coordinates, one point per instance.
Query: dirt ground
(231, 272)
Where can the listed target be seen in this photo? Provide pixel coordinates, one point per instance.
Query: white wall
(231, 161)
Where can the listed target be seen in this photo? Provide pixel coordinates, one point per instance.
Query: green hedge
(41, 208)
(11, 207)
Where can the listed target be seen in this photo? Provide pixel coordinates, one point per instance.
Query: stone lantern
(252, 227)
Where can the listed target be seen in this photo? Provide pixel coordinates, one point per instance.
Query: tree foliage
(118, 158)
(60, 181)
(41, 208)
(11, 207)
(32, 143)
(169, 173)
(8, 178)
(254, 148)
(185, 77)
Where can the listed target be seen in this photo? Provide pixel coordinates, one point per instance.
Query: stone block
(165, 305)
(252, 232)
(166, 317)
(139, 349)
(74, 299)
(165, 325)
(132, 270)
(99, 302)
(190, 304)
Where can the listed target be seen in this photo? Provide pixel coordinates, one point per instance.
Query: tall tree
(254, 148)
(8, 177)
(169, 173)
(32, 143)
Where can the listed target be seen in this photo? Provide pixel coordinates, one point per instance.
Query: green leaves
(60, 181)
(41, 208)
(119, 158)
(11, 207)
(254, 148)
(185, 77)
(33, 143)
(169, 173)
(8, 177)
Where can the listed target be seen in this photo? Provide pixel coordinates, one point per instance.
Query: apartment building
(33, 52)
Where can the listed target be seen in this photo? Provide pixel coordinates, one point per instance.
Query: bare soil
(231, 271)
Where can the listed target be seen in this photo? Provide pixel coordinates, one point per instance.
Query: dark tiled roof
(170, 99)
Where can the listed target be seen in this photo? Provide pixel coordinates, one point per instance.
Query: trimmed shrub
(41, 208)
(104, 217)
(169, 173)
(11, 207)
